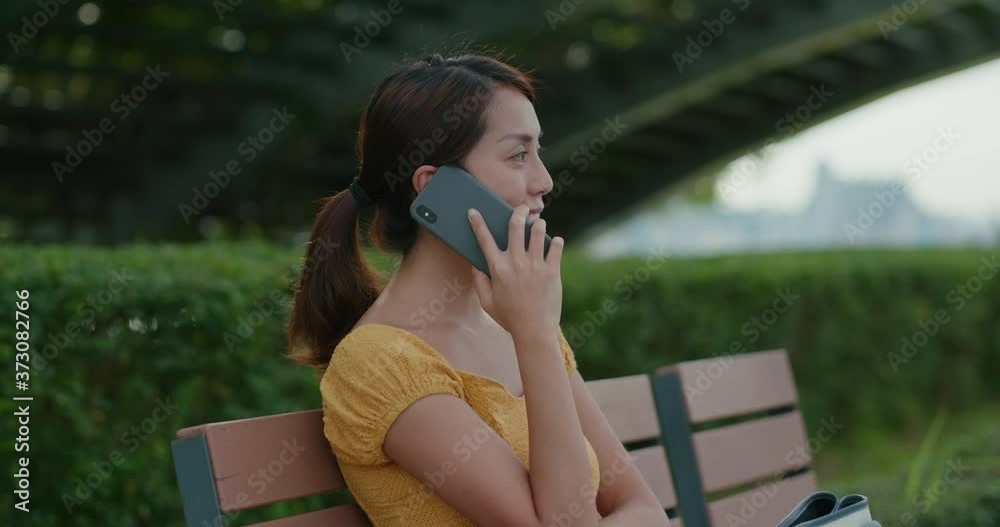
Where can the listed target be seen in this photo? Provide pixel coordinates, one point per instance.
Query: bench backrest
(219, 465)
(767, 450)
(227, 467)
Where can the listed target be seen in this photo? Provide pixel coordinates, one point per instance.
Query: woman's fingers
(554, 256)
(536, 247)
(484, 238)
(515, 235)
(483, 288)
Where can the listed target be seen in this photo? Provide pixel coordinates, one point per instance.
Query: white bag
(824, 509)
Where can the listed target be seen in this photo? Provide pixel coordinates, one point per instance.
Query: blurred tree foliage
(141, 121)
(131, 121)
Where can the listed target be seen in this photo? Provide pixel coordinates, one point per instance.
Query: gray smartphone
(442, 208)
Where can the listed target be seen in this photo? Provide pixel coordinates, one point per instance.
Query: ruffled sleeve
(373, 376)
(568, 356)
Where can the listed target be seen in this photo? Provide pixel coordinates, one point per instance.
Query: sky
(877, 141)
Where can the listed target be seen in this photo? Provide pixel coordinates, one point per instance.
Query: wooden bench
(217, 464)
(766, 450)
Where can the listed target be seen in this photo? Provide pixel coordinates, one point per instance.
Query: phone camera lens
(427, 214)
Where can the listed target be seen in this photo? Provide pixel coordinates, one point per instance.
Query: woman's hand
(523, 291)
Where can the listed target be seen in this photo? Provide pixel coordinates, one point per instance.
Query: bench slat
(732, 385)
(627, 403)
(652, 464)
(763, 506)
(269, 459)
(751, 450)
(344, 516)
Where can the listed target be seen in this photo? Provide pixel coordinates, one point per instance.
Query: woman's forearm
(559, 468)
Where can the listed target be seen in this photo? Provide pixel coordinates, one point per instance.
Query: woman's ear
(422, 175)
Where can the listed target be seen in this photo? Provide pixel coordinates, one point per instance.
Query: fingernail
(472, 212)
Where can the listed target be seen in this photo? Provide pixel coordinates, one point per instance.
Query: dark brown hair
(427, 112)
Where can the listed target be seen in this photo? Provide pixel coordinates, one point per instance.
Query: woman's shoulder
(375, 342)
(375, 373)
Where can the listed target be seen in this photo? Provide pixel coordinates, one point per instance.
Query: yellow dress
(376, 372)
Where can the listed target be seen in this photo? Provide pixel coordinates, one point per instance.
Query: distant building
(841, 214)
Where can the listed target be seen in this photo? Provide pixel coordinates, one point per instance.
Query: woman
(435, 385)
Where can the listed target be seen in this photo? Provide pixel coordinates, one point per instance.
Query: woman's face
(506, 158)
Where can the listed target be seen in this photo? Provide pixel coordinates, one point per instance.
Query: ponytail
(336, 285)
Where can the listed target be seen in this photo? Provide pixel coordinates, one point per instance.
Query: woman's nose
(543, 181)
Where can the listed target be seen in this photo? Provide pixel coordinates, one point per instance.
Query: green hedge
(844, 332)
(130, 330)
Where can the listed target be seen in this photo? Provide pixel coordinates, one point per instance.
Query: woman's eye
(520, 155)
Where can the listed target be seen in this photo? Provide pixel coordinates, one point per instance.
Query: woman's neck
(433, 285)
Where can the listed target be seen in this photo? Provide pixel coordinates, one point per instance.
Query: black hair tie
(362, 197)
